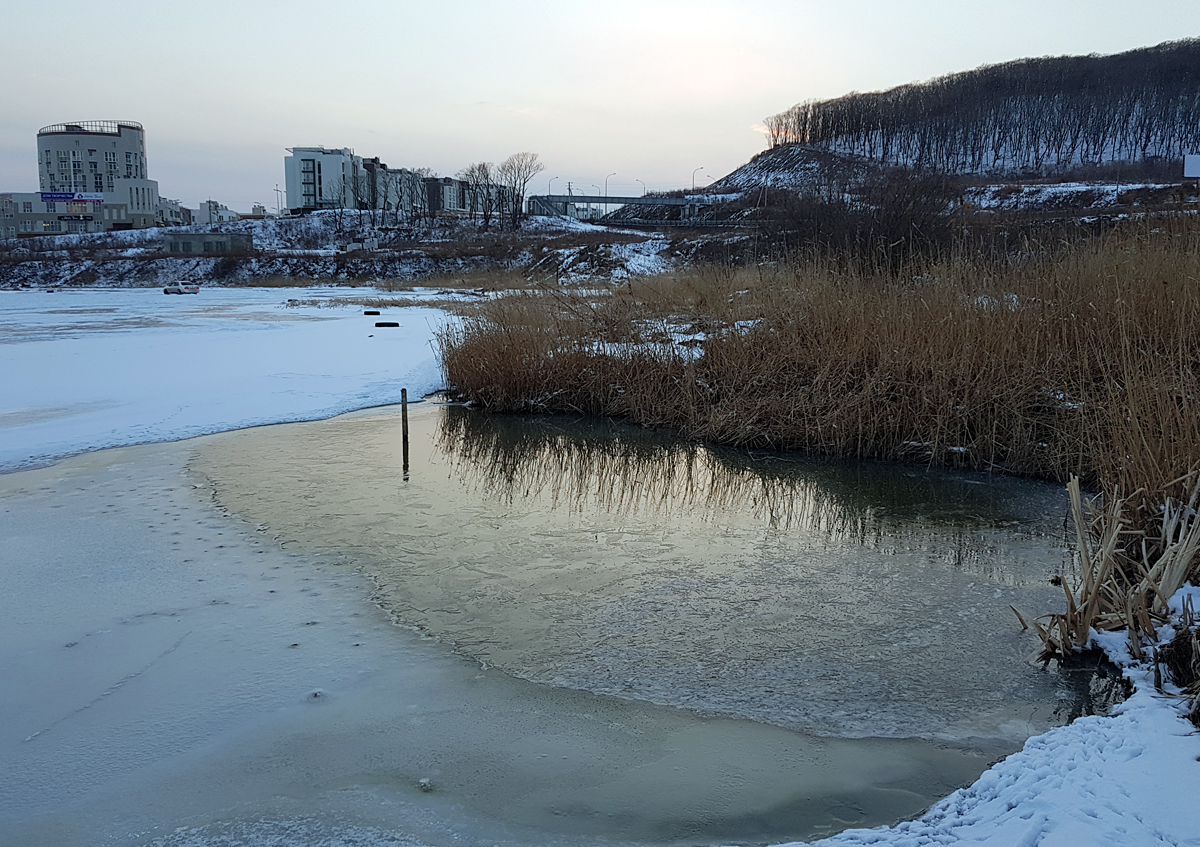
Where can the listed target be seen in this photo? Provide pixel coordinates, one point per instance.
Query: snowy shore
(90, 369)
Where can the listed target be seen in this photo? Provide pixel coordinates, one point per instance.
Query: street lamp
(635, 179)
(550, 183)
(614, 173)
(694, 176)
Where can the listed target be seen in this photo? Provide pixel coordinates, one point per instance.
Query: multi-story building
(172, 213)
(106, 158)
(319, 178)
(212, 212)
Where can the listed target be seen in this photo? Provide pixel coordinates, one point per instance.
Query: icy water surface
(848, 600)
(179, 676)
(173, 678)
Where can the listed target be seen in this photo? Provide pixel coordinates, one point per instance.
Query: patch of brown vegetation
(1071, 362)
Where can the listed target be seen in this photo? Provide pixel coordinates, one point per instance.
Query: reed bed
(1065, 361)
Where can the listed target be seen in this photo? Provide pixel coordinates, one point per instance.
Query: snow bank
(1126, 779)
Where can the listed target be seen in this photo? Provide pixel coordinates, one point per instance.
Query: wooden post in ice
(404, 426)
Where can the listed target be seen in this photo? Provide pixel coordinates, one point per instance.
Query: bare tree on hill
(1032, 115)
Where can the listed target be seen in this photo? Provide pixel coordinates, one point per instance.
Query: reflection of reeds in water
(624, 471)
(598, 463)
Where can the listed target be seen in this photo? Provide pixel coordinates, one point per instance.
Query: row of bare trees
(1033, 115)
(496, 193)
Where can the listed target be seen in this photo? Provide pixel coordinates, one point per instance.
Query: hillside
(1030, 117)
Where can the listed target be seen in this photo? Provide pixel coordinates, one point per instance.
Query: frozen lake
(634, 640)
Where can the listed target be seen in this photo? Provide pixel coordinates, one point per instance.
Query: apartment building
(212, 212)
(322, 178)
(84, 159)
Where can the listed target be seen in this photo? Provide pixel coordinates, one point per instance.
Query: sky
(644, 93)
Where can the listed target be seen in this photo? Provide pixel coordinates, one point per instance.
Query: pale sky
(652, 90)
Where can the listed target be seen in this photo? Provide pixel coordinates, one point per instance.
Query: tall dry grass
(1062, 361)
(1082, 362)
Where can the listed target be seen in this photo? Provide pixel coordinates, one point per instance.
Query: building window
(52, 226)
(50, 206)
(26, 226)
(185, 247)
(108, 156)
(27, 207)
(174, 248)
(208, 248)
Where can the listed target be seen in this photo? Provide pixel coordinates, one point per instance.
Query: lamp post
(549, 192)
(635, 179)
(614, 173)
(694, 176)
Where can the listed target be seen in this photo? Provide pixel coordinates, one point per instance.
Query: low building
(207, 243)
(28, 213)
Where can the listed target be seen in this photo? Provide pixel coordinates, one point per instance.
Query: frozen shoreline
(93, 375)
(185, 678)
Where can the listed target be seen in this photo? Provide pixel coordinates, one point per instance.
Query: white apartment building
(172, 213)
(320, 178)
(317, 178)
(102, 159)
(212, 212)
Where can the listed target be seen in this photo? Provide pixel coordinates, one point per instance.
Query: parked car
(181, 288)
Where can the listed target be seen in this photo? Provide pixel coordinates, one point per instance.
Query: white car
(181, 288)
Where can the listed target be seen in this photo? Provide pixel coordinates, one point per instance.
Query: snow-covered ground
(1129, 779)
(94, 368)
(1074, 195)
(87, 369)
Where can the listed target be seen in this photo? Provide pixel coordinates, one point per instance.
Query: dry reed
(1076, 360)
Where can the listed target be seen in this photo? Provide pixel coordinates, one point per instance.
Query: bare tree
(480, 178)
(514, 175)
(334, 199)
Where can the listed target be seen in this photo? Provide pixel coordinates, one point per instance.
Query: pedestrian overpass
(564, 204)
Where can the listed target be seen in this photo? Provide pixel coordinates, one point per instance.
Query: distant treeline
(1031, 115)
